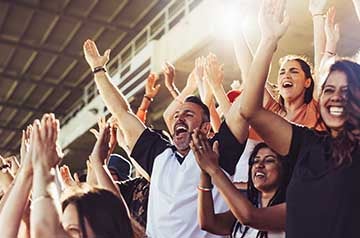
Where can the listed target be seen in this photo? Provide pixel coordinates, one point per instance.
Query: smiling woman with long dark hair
(268, 178)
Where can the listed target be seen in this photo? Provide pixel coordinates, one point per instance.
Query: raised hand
(90, 174)
(25, 142)
(169, 74)
(332, 31)
(92, 56)
(273, 20)
(13, 164)
(214, 71)
(101, 149)
(317, 7)
(67, 180)
(102, 124)
(43, 147)
(199, 68)
(151, 90)
(206, 156)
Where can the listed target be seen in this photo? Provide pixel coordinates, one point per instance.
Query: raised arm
(14, 204)
(269, 218)
(273, 25)
(98, 158)
(45, 214)
(317, 9)
(169, 75)
(357, 8)
(332, 33)
(151, 90)
(112, 96)
(169, 112)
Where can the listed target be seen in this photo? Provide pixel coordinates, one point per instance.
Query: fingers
(95, 133)
(215, 147)
(76, 177)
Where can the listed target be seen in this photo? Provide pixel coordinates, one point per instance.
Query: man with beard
(173, 170)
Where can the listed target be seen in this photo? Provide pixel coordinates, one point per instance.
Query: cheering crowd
(296, 144)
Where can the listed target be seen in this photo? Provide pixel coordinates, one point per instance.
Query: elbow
(205, 224)
(246, 217)
(247, 113)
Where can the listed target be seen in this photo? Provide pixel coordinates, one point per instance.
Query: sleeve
(230, 149)
(126, 189)
(149, 145)
(297, 140)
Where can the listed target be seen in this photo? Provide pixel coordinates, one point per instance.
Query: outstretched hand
(66, 178)
(102, 124)
(332, 30)
(151, 88)
(101, 150)
(92, 56)
(169, 74)
(43, 147)
(206, 156)
(273, 20)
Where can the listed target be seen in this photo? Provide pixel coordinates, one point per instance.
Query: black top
(150, 144)
(135, 192)
(322, 201)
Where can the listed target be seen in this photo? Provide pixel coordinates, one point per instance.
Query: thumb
(76, 177)
(215, 147)
(107, 53)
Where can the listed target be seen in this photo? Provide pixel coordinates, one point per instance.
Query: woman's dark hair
(306, 67)
(106, 213)
(349, 138)
(253, 193)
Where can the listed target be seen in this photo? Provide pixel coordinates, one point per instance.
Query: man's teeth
(336, 111)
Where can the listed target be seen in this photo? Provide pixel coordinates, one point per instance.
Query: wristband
(318, 15)
(149, 98)
(204, 189)
(98, 69)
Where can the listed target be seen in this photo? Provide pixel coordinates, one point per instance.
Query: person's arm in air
(45, 206)
(273, 24)
(169, 112)
(332, 33)
(357, 8)
(317, 9)
(99, 156)
(151, 90)
(112, 96)
(15, 202)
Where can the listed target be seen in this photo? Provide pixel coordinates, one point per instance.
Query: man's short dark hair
(197, 101)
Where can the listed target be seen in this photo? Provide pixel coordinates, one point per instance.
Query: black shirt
(322, 201)
(150, 144)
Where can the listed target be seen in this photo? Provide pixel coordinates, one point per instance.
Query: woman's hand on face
(206, 156)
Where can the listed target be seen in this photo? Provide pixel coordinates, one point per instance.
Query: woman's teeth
(336, 111)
